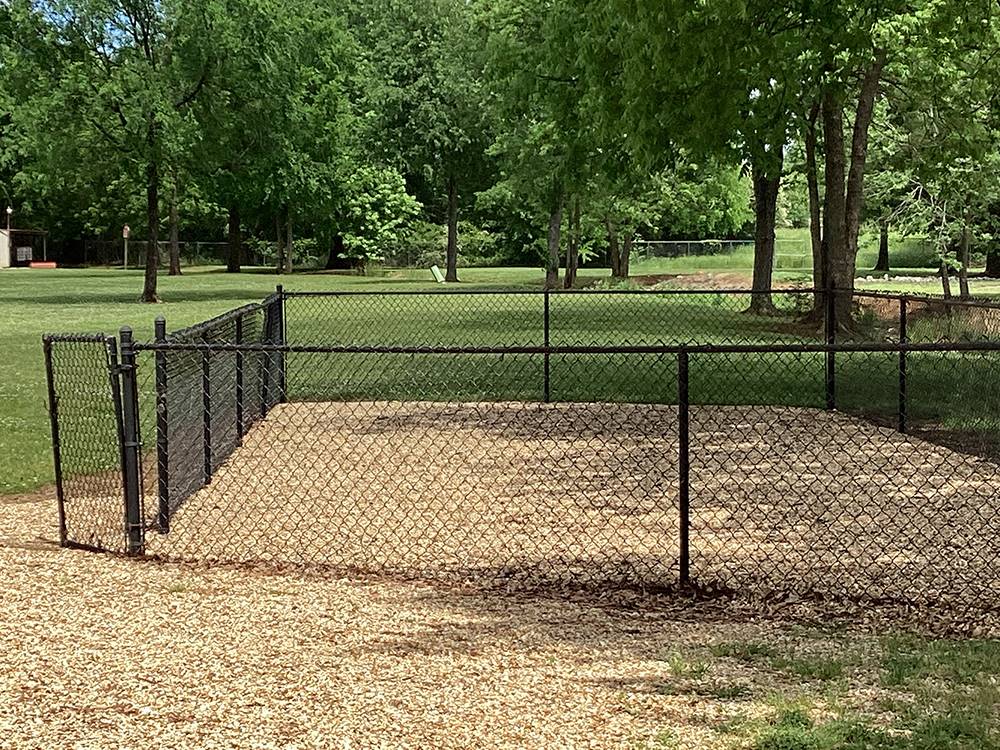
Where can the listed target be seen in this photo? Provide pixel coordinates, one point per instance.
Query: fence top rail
(92, 338)
(220, 319)
(982, 303)
(987, 304)
(790, 348)
(501, 292)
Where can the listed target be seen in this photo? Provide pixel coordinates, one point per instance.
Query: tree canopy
(548, 132)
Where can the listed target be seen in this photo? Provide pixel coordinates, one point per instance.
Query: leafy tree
(424, 99)
(545, 145)
(118, 81)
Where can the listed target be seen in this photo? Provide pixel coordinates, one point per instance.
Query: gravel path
(101, 652)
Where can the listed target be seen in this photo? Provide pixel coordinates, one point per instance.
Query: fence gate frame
(123, 402)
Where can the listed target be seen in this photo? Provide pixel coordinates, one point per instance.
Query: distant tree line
(509, 131)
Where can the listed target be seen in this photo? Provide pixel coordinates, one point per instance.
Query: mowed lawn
(35, 302)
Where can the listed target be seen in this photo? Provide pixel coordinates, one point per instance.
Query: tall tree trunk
(626, 257)
(153, 221)
(289, 247)
(280, 237)
(945, 281)
(451, 251)
(815, 215)
(614, 252)
(882, 264)
(235, 261)
(840, 274)
(175, 245)
(555, 226)
(573, 247)
(842, 209)
(765, 196)
(864, 112)
(964, 258)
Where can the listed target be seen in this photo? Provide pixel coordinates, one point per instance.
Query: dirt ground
(783, 500)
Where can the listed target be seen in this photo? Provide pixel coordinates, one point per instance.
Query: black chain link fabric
(85, 406)
(836, 446)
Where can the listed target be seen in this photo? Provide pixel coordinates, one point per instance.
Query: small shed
(22, 247)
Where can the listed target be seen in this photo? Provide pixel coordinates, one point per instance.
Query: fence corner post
(280, 340)
(830, 320)
(903, 341)
(135, 534)
(162, 444)
(240, 395)
(547, 381)
(683, 466)
(56, 446)
(206, 410)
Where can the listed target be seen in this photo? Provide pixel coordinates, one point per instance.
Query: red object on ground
(41, 264)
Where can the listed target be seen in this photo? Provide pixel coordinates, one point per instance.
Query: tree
(937, 141)
(425, 101)
(734, 67)
(124, 76)
(545, 147)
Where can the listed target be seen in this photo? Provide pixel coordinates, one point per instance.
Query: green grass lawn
(34, 302)
(827, 690)
(952, 389)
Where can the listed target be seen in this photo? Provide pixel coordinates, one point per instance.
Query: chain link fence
(835, 445)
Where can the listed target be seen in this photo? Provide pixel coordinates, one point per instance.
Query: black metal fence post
(162, 438)
(206, 410)
(903, 340)
(56, 450)
(683, 466)
(129, 425)
(265, 364)
(279, 331)
(830, 320)
(240, 396)
(546, 385)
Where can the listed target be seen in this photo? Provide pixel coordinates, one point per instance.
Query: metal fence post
(206, 409)
(546, 385)
(130, 445)
(56, 448)
(265, 364)
(831, 339)
(279, 329)
(903, 340)
(683, 466)
(240, 396)
(162, 444)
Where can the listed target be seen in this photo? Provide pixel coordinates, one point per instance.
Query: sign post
(125, 233)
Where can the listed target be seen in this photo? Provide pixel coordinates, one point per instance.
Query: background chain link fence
(830, 445)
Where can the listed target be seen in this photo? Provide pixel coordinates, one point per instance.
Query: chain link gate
(95, 441)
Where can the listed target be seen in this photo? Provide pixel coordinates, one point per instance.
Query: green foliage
(793, 729)
(356, 119)
(376, 209)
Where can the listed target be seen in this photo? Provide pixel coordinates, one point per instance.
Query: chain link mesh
(85, 408)
(531, 440)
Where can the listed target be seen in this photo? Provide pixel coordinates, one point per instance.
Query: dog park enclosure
(647, 439)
